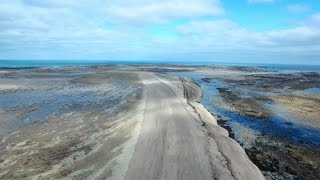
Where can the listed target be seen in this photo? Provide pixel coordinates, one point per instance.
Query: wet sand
(111, 123)
(68, 122)
(273, 115)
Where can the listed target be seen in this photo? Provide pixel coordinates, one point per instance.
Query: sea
(61, 63)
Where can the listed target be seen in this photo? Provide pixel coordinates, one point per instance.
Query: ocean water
(55, 63)
(59, 63)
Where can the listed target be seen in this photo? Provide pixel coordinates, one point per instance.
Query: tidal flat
(159, 122)
(111, 122)
(54, 117)
(274, 115)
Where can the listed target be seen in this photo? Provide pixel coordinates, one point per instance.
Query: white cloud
(116, 29)
(225, 36)
(298, 8)
(134, 11)
(161, 11)
(79, 28)
(261, 1)
(313, 21)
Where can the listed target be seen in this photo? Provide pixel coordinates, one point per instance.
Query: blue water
(311, 91)
(277, 126)
(57, 63)
(45, 63)
(278, 67)
(291, 67)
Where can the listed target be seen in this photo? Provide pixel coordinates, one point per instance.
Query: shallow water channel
(277, 136)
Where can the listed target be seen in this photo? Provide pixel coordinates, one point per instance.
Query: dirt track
(177, 143)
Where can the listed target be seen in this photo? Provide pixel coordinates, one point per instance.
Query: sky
(247, 31)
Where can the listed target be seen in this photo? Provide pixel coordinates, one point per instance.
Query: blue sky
(257, 31)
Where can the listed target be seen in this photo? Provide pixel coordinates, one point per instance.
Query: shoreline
(179, 128)
(82, 122)
(276, 152)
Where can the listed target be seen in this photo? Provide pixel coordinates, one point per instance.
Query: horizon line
(159, 61)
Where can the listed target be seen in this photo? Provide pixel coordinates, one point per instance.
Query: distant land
(47, 63)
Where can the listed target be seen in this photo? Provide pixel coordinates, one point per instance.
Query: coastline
(180, 101)
(112, 123)
(281, 146)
